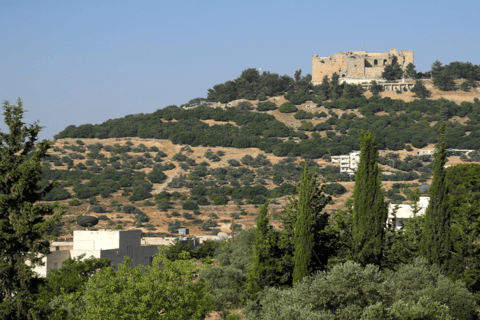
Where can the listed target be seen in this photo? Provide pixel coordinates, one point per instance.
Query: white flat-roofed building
(112, 244)
(406, 211)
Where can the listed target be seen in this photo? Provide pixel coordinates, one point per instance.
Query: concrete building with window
(112, 244)
(348, 163)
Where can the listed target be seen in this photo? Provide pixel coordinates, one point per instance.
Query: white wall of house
(112, 244)
(406, 211)
(53, 261)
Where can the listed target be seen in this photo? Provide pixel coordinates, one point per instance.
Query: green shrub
(335, 189)
(74, 203)
(179, 157)
(189, 205)
(149, 226)
(187, 215)
(266, 106)
(148, 203)
(156, 176)
(244, 105)
(103, 217)
(128, 208)
(98, 209)
(307, 126)
(301, 114)
(139, 194)
(287, 107)
(234, 163)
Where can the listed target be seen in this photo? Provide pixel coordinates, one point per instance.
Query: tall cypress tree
(369, 207)
(309, 225)
(266, 267)
(436, 244)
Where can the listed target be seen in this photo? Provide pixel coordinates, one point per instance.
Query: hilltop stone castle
(358, 64)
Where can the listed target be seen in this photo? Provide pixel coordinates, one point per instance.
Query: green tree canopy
(23, 228)
(165, 290)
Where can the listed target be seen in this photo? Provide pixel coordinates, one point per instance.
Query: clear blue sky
(77, 62)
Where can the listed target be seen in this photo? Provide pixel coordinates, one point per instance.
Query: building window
(375, 62)
(385, 62)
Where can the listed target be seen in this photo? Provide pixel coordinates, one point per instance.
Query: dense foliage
(23, 228)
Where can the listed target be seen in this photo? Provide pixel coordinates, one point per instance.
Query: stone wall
(358, 64)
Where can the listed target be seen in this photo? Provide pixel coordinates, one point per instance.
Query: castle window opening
(375, 62)
(385, 62)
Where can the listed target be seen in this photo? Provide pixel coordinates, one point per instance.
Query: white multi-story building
(112, 244)
(348, 163)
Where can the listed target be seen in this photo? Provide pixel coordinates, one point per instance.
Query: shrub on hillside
(301, 114)
(57, 193)
(98, 209)
(179, 157)
(420, 90)
(266, 106)
(74, 203)
(128, 208)
(244, 105)
(139, 194)
(298, 97)
(189, 205)
(335, 189)
(156, 176)
(287, 107)
(234, 163)
(307, 126)
(187, 215)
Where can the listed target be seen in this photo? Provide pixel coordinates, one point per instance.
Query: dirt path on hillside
(162, 186)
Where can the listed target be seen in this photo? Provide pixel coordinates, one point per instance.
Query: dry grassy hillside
(221, 214)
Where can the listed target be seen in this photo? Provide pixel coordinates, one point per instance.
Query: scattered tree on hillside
(444, 82)
(392, 72)
(437, 68)
(410, 71)
(376, 88)
(369, 207)
(420, 90)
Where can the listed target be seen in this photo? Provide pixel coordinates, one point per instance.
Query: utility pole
(233, 233)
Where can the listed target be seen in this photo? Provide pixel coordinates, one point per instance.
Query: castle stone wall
(358, 64)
